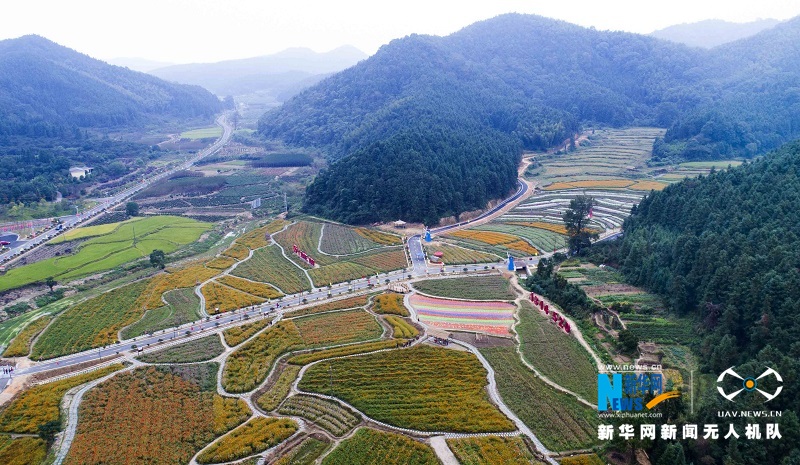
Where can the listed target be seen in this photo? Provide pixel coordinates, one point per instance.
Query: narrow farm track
(525, 362)
(72, 414)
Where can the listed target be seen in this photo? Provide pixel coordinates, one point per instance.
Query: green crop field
(326, 414)
(204, 133)
(371, 447)
(90, 324)
(198, 350)
(267, 265)
(129, 241)
(491, 287)
(343, 240)
(555, 354)
(424, 388)
(557, 419)
(306, 453)
(183, 307)
(21, 345)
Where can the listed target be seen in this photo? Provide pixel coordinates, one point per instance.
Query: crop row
(268, 265)
(352, 349)
(491, 287)
(198, 350)
(423, 388)
(21, 345)
(238, 334)
(389, 303)
(372, 447)
(327, 414)
(491, 449)
(350, 302)
(379, 237)
(342, 240)
(453, 255)
(221, 298)
(257, 289)
(401, 328)
(271, 398)
(337, 328)
(257, 435)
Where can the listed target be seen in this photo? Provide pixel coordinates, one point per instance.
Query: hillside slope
(712, 32)
(44, 86)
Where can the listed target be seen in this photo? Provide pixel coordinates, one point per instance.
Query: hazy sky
(204, 30)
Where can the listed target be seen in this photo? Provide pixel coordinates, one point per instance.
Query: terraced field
(267, 265)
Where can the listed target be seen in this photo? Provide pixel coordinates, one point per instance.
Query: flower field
(92, 323)
(21, 345)
(270, 399)
(221, 263)
(490, 450)
(304, 454)
(505, 241)
(144, 411)
(424, 388)
(257, 435)
(221, 298)
(379, 237)
(454, 255)
(41, 404)
(389, 303)
(180, 278)
(267, 265)
(326, 414)
(337, 328)
(585, 459)
(401, 328)
(249, 365)
(306, 236)
(238, 334)
(552, 227)
(257, 289)
(489, 287)
(22, 451)
(306, 358)
(350, 302)
(198, 350)
(557, 419)
(488, 317)
(237, 251)
(343, 240)
(372, 447)
(555, 354)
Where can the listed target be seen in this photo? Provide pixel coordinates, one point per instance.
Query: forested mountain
(538, 81)
(280, 74)
(724, 248)
(45, 88)
(54, 101)
(712, 32)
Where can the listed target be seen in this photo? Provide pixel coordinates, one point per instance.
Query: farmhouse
(80, 171)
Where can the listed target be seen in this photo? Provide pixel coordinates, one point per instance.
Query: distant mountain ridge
(44, 86)
(279, 72)
(536, 81)
(142, 65)
(713, 32)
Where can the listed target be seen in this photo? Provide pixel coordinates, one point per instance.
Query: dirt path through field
(443, 451)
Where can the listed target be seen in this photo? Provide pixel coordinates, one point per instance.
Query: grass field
(372, 447)
(424, 388)
(204, 133)
(257, 435)
(136, 413)
(198, 350)
(326, 414)
(271, 398)
(491, 287)
(306, 453)
(90, 324)
(267, 265)
(21, 345)
(557, 419)
(555, 354)
(183, 306)
(490, 450)
(128, 241)
(489, 317)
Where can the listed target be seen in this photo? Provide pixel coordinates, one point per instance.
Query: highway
(21, 247)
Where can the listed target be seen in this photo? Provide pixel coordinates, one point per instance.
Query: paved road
(22, 247)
